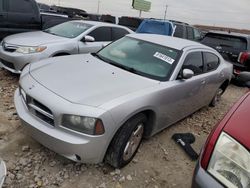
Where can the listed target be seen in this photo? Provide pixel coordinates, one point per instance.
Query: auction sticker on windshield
(164, 57)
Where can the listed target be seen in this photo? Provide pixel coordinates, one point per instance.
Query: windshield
(141, 57)
(68, 29)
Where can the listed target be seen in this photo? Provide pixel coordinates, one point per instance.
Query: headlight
(29, 49)
(87, 125)
(230, 163)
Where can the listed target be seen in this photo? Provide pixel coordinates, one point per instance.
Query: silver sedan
(98, 107)
(71, 37)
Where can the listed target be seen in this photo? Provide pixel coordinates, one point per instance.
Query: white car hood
(86, 80)
(34, 38)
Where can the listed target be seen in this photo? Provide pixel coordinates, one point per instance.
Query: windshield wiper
(130, 69)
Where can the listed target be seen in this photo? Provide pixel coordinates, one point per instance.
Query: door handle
(203, 82)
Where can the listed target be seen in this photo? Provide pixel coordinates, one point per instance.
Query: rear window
(225, 41)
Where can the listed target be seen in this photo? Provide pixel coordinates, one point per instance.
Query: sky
(225, 13)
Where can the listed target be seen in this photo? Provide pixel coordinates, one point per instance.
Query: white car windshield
(68, 29)
(141, 57)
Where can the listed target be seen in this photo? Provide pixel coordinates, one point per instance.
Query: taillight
(243, 57)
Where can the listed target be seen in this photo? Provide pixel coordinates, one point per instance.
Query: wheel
(126, 142)
(217, 97)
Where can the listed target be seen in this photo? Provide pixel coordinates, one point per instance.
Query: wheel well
(150, 114)
(150, 122)
(224, 85)
(61, 54)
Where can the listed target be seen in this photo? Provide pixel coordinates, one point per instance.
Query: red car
(225, 158)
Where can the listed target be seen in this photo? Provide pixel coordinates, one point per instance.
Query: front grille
(9, 47)
(7, 64)
(39, 110)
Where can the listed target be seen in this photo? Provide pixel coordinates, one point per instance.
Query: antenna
(165, 15)
(98, 6)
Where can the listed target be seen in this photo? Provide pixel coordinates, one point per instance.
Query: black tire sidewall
(121, 138)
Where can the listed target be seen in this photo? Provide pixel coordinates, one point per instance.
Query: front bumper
(203, 179)
(15, 62)
(75, 146)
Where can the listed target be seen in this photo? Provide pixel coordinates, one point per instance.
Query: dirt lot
(159, 163)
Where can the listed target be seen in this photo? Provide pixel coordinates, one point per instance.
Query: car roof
(173, 42)
(229, 34)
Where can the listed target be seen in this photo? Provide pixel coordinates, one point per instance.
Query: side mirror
(186, 74)
(88, 38)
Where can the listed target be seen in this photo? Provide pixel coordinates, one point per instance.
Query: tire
(126, 142)
(217, 97)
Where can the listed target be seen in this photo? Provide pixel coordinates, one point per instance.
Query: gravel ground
(159, 162)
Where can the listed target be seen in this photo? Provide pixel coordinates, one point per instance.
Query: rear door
(213, 77)
(102, 36)
(185, 96)
(23, 15)
(3, 19)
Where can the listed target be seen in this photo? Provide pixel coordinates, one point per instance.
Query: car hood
(86, 80)
(34, 38)
(238, 125)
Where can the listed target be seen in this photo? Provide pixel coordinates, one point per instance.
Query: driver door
(184, 96)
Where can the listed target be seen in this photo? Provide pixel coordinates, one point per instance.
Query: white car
(73, 37)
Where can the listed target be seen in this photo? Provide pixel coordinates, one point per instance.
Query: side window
(190, 33)
(211, 61)
(194, 62)
(20, 6)
(118, 33)
(197, 34)
(179, 30)
(101, 34)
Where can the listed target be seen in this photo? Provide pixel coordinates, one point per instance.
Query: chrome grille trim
(37, 109)
(41, 111)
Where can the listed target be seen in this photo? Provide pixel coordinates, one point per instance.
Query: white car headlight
(30, 49)
(230, 163)
(87, 125)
